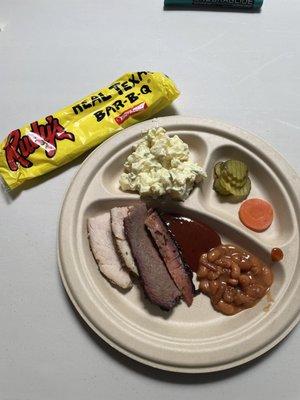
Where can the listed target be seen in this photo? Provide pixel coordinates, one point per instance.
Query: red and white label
(126, 114)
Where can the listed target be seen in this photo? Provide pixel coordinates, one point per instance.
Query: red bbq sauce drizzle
(276, 254)
(192, 236)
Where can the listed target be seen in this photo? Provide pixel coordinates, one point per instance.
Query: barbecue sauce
(276, 254)
(192, 236)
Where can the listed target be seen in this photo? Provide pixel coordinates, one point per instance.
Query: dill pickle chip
(219, 188)
(218, 168)
(225, 185)
(232, 181)
(231, 178)
(237, 192)
(237, 170)
(245, 190)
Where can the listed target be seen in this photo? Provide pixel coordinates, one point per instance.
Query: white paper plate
(195, 339)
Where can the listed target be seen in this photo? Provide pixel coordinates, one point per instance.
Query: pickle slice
(225, 185)
(238, 192)
(218, 168)
(232, 181)
(237, 170)
(231, 178)
(219, 188)
(245, 190)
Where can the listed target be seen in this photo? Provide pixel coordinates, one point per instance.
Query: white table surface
(238, 67)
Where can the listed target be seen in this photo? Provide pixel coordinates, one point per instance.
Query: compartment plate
(197, 339)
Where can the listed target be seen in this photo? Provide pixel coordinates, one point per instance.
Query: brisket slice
(155, 279)
(171, 256)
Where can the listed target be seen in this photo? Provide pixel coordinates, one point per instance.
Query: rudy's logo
(17, 148)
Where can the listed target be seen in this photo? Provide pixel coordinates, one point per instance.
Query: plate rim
(175, 120)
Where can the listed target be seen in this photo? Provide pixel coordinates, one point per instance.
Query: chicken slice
(117, 224)
(103, 249)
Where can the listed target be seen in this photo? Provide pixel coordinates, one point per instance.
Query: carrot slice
(256, 214)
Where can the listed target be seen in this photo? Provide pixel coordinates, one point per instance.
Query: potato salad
(161, 165)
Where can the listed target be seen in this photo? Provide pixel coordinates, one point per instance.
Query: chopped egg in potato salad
(161, 165)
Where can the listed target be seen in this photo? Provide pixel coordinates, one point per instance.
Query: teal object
(242, 4)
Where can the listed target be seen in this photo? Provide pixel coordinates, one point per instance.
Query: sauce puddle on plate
(276, 254)
(192, 236)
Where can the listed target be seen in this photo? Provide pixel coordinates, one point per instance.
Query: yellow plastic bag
(50, 142)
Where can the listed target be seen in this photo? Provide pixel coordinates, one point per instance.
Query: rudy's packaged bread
(54, 140)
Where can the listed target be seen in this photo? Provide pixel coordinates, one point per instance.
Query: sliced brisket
(170, 254)
(156, 281)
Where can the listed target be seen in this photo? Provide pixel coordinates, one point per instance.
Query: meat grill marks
(170, 254)
(155, 279)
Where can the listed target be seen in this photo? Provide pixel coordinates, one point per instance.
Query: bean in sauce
(233, 278)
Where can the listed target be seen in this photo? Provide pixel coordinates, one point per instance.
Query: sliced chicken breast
(103, 249)
(117, 224)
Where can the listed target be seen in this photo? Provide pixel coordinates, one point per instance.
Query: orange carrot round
(256, 214)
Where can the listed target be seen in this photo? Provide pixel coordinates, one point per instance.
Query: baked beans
(233, 278)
